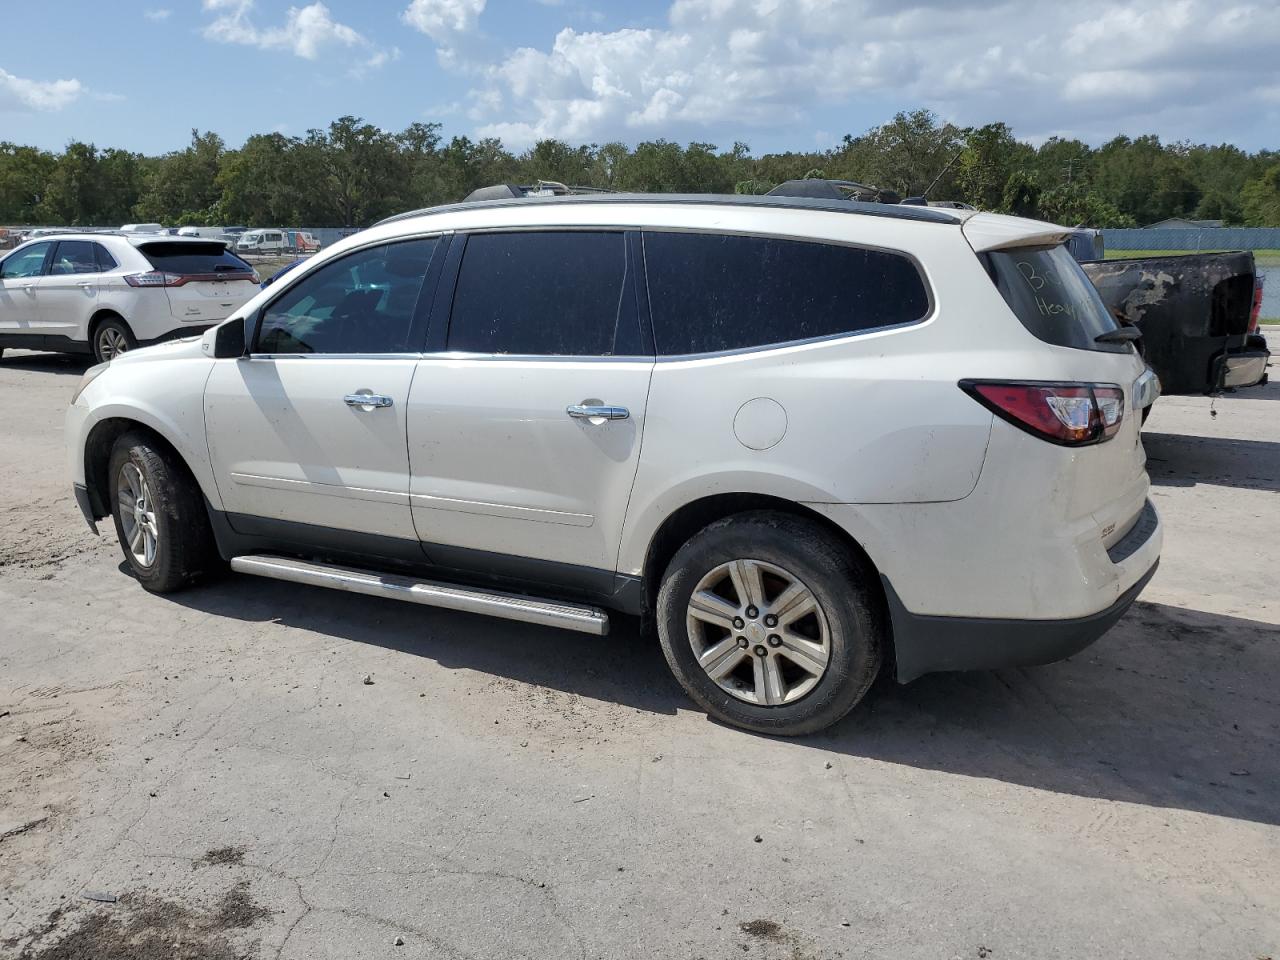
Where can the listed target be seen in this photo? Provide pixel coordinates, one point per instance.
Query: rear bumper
(928, 644)
(1242, 366)
(179, 333)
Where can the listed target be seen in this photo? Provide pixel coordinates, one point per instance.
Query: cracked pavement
(504, 791)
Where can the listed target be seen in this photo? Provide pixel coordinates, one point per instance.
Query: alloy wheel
(111, 343)
(137, 515)
(759, 632)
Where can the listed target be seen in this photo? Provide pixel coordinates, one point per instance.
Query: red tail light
(1256, 310)
(1069, 414)
(159, 278)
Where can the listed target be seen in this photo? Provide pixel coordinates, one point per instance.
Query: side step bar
(567, 616)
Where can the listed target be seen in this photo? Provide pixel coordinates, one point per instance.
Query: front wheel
(771, 624)
(159, 515)
(112, 338)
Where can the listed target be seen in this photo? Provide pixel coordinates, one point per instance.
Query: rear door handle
(366, 400)
(582, 411)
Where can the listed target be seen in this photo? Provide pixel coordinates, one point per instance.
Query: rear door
(207, 282)
(307, 433)
(525, 425)
(19, 274)
(68, 293)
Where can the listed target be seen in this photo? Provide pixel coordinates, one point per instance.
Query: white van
(143, 228)
(263, 242)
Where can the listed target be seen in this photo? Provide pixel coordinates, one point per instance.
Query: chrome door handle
(581, 411)
(86, 283)
(366, 400)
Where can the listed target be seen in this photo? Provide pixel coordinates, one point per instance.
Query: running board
(509, 606)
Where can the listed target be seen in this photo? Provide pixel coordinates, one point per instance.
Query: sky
(775, 74)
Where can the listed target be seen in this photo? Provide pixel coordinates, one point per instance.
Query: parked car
(144, 228)
(263, 242)
(1197, 313)
(291, 265)
(875, 438)
(300, 241)
(107, 293)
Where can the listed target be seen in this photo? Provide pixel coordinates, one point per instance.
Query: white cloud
(158, 15)
(1092, 68)
(19, 93)
(306, 32)
(444, 20)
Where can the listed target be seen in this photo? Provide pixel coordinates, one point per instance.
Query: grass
(1267, 258)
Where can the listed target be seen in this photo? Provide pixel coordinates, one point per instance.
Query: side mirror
(225, 341)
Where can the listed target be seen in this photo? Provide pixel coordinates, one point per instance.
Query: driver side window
(361, 303)
(25, 263)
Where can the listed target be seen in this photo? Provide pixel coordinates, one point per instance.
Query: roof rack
(539, 188)
(834, 190)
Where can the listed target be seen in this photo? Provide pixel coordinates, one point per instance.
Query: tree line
(353, 173)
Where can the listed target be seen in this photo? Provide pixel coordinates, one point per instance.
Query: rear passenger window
(545, 294)
(712, 292)
(74, 256)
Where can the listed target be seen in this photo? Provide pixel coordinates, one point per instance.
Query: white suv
(808, 440)
(108, 293)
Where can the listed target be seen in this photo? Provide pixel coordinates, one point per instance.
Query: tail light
(1068, 414)
(160, 278)
(1256, 309)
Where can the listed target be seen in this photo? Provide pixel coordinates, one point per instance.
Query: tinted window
(193, 258)
(713, 292)
(25, 263)
(74, 256)
(710, 292)
(1050, 294)
(105, 260)
(361, 303)
(544, 294)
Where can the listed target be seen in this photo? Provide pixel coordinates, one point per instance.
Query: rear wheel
(111, 338)
(159, 515)
(770, 623)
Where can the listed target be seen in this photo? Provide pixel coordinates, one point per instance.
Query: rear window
(193, 258)
(715, 292)
(1046, 289)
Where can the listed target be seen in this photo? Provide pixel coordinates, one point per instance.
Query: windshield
(1050, 294)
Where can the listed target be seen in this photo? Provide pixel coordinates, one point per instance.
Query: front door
(307, 433)
(68, 292)
(19, 275)
(524, 431)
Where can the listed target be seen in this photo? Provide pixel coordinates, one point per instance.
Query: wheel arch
(696, 515)
(100, 316)
(98, 444)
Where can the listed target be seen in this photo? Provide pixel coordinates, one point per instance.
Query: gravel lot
(216, 762)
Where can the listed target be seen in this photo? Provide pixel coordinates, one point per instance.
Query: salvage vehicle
(807, 441)
(104, 293)
(1197, 313)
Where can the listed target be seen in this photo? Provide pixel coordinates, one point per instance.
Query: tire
(791, 555)
(110, 338)
(167, 541)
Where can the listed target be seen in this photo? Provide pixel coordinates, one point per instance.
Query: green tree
(1261, 199)
(25, 173)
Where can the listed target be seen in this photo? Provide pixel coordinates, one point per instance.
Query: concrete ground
(216, 762)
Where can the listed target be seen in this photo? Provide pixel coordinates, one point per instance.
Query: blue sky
(778, 74)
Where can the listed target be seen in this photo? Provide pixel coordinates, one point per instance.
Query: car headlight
(89, 376)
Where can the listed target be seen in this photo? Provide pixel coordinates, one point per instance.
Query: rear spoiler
(993, 231)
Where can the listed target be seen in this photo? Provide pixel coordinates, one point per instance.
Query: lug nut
(742, 642)
(761, 651)
(775, 640)
(752, 612)
(739, 623)
(771, 621)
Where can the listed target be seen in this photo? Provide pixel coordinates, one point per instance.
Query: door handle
(583, 411)
(366, 400)
(28, 287)
(86, 283)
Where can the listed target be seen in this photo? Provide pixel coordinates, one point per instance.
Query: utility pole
(1069, 167)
